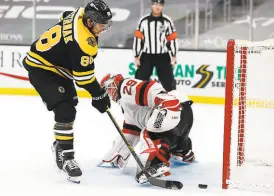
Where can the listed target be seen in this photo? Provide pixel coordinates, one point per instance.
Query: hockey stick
(168, 184)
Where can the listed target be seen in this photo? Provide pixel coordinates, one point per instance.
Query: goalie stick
(168, 184)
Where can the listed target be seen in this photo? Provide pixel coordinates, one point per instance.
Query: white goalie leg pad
(119, 154)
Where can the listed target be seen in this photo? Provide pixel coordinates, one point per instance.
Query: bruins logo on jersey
(92, 41)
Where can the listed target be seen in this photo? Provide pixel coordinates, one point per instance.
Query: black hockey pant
(163, 67)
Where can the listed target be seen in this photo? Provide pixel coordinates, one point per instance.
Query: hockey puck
(202, 186)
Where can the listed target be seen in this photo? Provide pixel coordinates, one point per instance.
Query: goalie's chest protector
(137, 100)
(135, 115)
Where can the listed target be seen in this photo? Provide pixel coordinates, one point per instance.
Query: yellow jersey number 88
(49, 39)
(86, 60)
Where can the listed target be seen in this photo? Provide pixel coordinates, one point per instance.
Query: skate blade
(74, 179)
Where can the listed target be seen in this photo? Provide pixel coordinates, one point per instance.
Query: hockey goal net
(248, 158)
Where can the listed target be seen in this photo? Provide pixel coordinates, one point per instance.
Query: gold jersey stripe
(86, 82)
(39, 58)
(59, 137)
(44, 67)
(84, 73)
(46, 63)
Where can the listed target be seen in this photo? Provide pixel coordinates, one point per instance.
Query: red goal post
(248, 152)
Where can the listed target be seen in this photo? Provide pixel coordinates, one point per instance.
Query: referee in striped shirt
(155, 44)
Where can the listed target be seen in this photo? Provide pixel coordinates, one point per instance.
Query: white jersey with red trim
(137, 100)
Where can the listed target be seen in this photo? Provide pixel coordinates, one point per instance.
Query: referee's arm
(138, 39)
(171, 36)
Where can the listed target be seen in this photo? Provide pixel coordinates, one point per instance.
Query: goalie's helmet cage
(248, 159)
(110, 83)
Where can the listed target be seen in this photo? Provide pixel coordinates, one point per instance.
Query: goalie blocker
(160, 121)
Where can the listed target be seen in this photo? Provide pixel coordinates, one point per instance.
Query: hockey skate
(156, 171)
(65, 161)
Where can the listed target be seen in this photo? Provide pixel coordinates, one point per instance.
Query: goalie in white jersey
(153, 117)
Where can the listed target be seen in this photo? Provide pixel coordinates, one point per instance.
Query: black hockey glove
(102, 102)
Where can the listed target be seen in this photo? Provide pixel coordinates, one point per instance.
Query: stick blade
(168, 184)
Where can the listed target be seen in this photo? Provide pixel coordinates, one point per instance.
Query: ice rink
(27, 166)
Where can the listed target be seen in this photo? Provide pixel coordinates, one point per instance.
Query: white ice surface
(27, 166)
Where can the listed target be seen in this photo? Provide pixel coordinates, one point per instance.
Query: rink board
(201, 75)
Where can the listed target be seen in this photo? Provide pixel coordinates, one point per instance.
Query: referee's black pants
(163, 67)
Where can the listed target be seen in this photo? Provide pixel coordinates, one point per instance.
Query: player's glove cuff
(100, 97)
(101, 102)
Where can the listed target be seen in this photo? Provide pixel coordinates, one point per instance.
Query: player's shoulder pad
(85, 39)
(158, 86)
(64, 15)
(179, 95)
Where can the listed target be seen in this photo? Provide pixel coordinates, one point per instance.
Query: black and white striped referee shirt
(155, 35)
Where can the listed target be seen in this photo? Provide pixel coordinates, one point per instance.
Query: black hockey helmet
(158, 1)
(99, 12)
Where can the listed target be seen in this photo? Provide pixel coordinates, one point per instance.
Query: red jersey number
(128, 87)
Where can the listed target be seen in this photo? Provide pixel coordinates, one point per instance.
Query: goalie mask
(111, 83)
(166, 115)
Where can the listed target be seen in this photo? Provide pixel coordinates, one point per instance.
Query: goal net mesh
(251, 161)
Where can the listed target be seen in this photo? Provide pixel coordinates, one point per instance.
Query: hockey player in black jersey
(63, 54)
